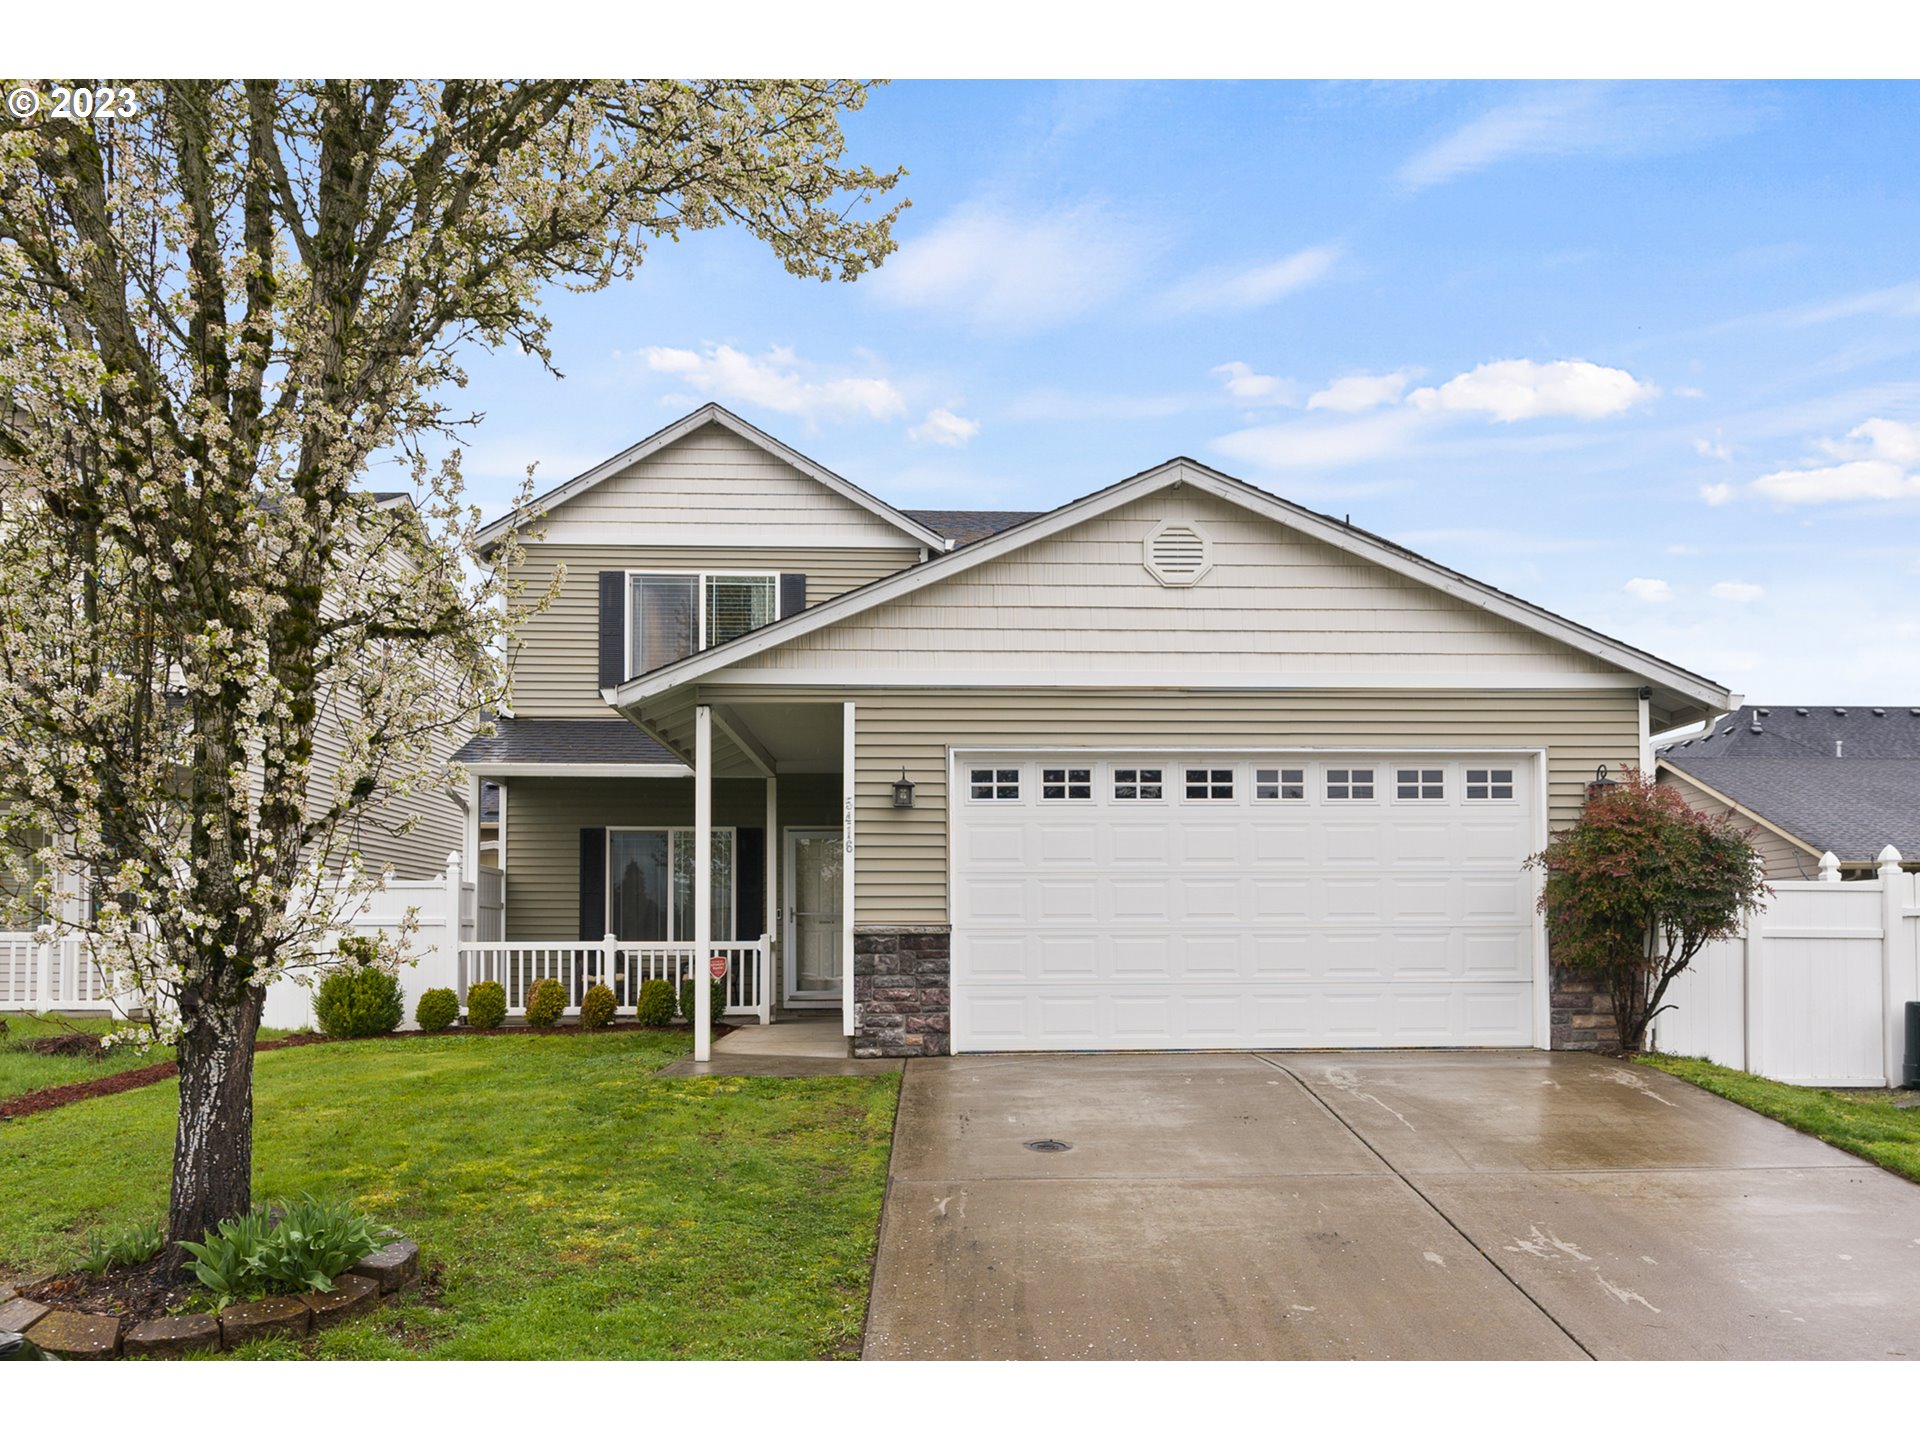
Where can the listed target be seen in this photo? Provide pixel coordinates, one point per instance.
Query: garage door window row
(1206, 784)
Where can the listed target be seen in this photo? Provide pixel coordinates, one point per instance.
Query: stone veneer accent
(902, 990)
(1582, 1012)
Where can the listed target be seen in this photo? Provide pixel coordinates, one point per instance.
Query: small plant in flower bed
(362, 997)
(655, 1006)
(436, 1009)
(596, 1007)
(129, 1245)
(486, 1005)
(545, 1002)
(687, 1000)
(282, 1249)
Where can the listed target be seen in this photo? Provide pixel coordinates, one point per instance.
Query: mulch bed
(133, 1292)
(55, 1096)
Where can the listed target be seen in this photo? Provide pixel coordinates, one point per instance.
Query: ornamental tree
(218, 313)
(1638, 886)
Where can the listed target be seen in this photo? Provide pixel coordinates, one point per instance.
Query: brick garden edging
(73, 1335)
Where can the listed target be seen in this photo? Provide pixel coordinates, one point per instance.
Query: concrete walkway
(793, 1048)
(1375, 1205)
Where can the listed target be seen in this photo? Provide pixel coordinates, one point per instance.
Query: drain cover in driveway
(1048, 1147)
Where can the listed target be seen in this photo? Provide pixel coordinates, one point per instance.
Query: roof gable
(593, 498)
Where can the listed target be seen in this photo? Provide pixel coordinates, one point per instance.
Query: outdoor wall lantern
(1600, 784)
(903, 791)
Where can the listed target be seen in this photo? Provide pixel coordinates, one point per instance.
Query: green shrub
(129, 1245)
(545, 1002)
(486, 1004)
(436, 1009)
(596, 1007)
(360, 949)
(687, 997)
(281, 1249)
(656, 1002)
(358, 1000)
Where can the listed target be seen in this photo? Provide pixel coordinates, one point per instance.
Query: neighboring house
(1809, 780)
(1179, 764)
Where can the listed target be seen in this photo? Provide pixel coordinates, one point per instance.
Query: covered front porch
(621, 861)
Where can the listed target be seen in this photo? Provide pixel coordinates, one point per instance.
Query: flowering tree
(1638, 886)
(217, 313)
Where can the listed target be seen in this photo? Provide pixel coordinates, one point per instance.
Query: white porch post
(770, 922)
(847, 790)
(470, 832)
(702, 880)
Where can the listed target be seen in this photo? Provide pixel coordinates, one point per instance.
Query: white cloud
(1654, 591)
(943, 427)
(1243, 382)
(1301, 445)
(1574, 120)
(1737, 591)
(1253, 286)
(776, 381)
(1878, 460)
(1351, 393)
(1717, 494)
(997, 270)
(1712, 449)
(1510, 390)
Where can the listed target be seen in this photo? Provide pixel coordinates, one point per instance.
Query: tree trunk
(213, 1144)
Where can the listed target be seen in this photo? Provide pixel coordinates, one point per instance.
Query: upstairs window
(673, 616)
(1489, 784)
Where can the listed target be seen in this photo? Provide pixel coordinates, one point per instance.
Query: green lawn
(577, 1206)
(21, 1070)
(1866, 1123)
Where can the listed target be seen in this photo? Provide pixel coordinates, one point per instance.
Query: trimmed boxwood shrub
(687, 997)
(596, 1007)
(656, 1002)
(486, 1004)
(436, 1009)
(358, 1000)
(545, 1002)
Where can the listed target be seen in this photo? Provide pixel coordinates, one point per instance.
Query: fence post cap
(1888, 856)
(1829, 866)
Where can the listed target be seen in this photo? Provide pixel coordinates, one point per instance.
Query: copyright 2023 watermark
(71, 102)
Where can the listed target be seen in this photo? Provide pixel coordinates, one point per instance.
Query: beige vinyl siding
(716, 488)
(901, 869)
(546, 815)
(1275, 603)
(1784, 859)
(556, 671)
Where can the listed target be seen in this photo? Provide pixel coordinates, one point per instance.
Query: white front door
(813, 933)
(1180, 901)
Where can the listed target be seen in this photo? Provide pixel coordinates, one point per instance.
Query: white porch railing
(620, 965)
(59, 976)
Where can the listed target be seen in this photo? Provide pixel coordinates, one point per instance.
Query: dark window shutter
(593, 884)
(613, 629)
(749, 883)
(793, 595)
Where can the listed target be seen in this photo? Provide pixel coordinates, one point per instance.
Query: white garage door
(1229, 901)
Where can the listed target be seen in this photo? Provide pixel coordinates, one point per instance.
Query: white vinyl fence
(1815, 992)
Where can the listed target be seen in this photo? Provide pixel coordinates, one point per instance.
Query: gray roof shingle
(564, 742)
(963, 527)
(1844, 778)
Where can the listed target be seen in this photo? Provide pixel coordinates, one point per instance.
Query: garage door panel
(1298, 921)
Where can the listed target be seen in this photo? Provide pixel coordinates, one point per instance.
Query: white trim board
(711, 414)
(510, 770)
(1251, 681)
(1683, 684)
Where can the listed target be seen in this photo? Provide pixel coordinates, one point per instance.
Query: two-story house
(1178, 764)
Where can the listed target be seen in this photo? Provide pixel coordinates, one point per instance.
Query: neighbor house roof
(963, 527)
(1693, 693)
(536, 745)
(715, 415)
(1844, 778)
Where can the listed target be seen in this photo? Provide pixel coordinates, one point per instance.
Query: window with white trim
(650, 884)
(987, 783)
(1419, 785)
(1349, 784)
(1280, 784)
(1066, 784)
(1209, 784)
(1489, 784)
(671, 616)
(1137, 783)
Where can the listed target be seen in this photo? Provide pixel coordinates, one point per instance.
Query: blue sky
(1645, 354)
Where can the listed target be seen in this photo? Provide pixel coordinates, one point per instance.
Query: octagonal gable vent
(1177, 554)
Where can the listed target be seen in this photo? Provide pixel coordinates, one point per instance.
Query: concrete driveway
(1375, 1205)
